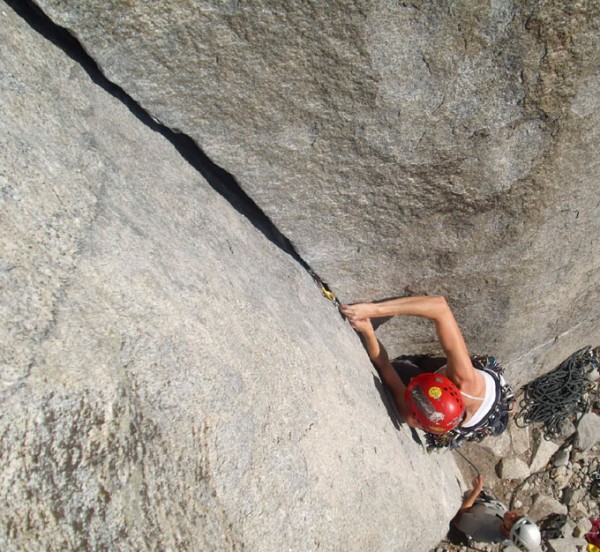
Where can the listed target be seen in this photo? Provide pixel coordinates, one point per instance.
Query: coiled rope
(559, 394)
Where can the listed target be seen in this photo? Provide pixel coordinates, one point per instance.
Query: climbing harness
(558, 395)
(496, 420)
(324, 288)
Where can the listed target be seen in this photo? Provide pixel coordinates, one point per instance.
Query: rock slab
(588, 431)
(423, 147)
(170, 379)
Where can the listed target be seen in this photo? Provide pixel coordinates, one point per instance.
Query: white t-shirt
(487, 403)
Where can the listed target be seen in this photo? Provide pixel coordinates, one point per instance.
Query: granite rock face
(170, 379)
(588, 431)
(445, 147)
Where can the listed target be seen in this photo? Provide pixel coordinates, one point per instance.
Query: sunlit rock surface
(170, 379)
(439, 147)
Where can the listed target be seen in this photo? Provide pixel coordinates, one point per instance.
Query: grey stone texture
(514, 441)
(545, 505)
(512, 468)
(583, 526)
(170, 379)
(544, 450)
(588, 431)
(572, 544)
(429, 147)
(561, 458)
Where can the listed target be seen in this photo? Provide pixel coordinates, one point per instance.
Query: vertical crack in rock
(218, 178)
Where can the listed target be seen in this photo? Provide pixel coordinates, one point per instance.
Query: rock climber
(484, 519)
(466, 397)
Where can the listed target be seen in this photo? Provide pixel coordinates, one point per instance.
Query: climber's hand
(358, 311)
(363, 325)
(478, 484)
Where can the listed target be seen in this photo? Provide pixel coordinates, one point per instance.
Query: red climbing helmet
(435, 402)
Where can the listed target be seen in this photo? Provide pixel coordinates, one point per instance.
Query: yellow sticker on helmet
(436, 429)
(435, 392)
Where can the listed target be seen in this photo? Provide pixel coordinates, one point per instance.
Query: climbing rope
(516, 490)
(560, 394)
(469, 462)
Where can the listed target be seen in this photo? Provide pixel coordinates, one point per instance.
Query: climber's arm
(427, 306)
(379, 357)
(469, 499)
(436, 308)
